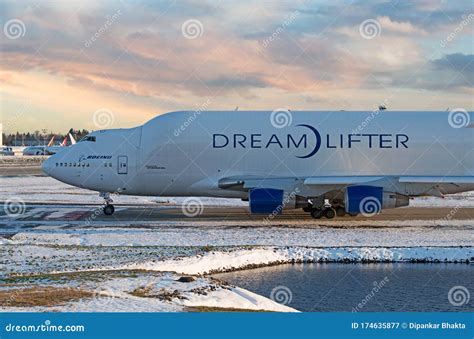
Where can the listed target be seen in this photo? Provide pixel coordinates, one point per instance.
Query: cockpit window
(90, 138)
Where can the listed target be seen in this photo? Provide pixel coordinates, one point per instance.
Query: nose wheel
(108, 209)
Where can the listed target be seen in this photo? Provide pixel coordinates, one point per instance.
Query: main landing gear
(327, 212)
(109, 208)
(319, 208)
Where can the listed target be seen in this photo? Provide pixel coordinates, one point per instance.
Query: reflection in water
(399, 287)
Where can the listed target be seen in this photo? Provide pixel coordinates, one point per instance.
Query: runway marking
(67, 215)
(47, 214)
(33, 214)
(228, 217)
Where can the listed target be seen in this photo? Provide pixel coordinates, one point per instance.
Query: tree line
(40, 138)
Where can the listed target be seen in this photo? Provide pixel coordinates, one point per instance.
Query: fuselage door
(122, 164)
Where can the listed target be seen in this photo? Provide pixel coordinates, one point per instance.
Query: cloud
(316, 53)
(458, 62)
(399, 27)
(456, 71)
(428, 14)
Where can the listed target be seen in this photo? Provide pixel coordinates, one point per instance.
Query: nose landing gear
(109, 208)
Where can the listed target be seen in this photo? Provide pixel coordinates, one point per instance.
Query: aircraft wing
(438, 180)
(341, 180)
(318, 185)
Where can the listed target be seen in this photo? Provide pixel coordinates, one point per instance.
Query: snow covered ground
(46, 189)
(140, 292)
(248, 258)
(135, 266)
(152, 259)
(196, 234)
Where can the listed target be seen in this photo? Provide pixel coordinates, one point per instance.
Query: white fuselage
(189, 153)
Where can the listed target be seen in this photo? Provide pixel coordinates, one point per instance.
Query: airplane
(327, 163)
(6, 151)
(53, 149)
(50, 149)
(35, 150)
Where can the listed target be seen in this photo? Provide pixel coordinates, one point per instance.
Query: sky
(95, 64)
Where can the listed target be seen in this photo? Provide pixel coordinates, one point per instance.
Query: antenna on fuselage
(382, 107)
(236, 108)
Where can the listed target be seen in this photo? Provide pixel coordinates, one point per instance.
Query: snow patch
(227, 233)
(236, 297)
(223, 261)
(158, 293)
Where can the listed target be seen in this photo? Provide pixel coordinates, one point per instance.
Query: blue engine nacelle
(372, 199)
(364, 199)
(266, 200)
(274, 201)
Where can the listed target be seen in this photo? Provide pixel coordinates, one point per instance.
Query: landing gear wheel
(340, 211)
(109, 209)
(329, 213)
(316, 213)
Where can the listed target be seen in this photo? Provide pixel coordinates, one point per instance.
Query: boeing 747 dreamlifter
(327, 163)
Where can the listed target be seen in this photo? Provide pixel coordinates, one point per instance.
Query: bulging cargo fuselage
(254, 148)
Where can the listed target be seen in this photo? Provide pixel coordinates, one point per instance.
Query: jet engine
(274, 201)
(372, 199)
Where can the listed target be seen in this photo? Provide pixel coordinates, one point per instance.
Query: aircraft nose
(47, 166)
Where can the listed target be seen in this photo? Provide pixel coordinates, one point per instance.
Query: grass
(41, 296)
(97, 275)
(142, 292)
(162, 294)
